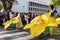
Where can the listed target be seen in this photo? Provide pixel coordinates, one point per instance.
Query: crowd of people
(25, 17)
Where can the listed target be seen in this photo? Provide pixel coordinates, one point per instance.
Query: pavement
(22, 35)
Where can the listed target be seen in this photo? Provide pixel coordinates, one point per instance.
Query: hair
(52, 7)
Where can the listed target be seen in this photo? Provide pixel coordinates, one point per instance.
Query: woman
(54, 15)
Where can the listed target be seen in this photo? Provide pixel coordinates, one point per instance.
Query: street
(14, 35)
(22, 35)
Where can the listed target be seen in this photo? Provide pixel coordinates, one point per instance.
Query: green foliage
(1, 6)
(7, 4)
(56, 2)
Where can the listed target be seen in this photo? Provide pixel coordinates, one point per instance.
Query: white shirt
(26, 17)
(11, 16)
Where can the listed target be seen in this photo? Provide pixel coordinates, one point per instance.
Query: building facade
(37, 7)
(34, 6)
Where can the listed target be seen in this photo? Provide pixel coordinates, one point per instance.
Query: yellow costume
(15, 20)
(37, 27)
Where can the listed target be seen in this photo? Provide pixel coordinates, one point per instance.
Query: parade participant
(40, 23)
(53, 15)
(13, 23)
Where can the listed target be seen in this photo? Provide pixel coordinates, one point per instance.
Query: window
(31, 9)
(30, 4)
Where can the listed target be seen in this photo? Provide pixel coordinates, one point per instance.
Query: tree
(0, 6)
(7, 4)
(56, 3)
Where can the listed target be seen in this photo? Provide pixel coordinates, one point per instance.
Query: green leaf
(1, 6)
(55, 3)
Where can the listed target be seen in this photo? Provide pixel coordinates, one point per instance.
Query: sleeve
(55, 11)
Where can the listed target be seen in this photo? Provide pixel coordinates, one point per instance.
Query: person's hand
(55, 14)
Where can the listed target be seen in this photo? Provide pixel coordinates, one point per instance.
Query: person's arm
(55, 13)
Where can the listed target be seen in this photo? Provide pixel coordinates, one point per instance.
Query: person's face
(50, 8)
